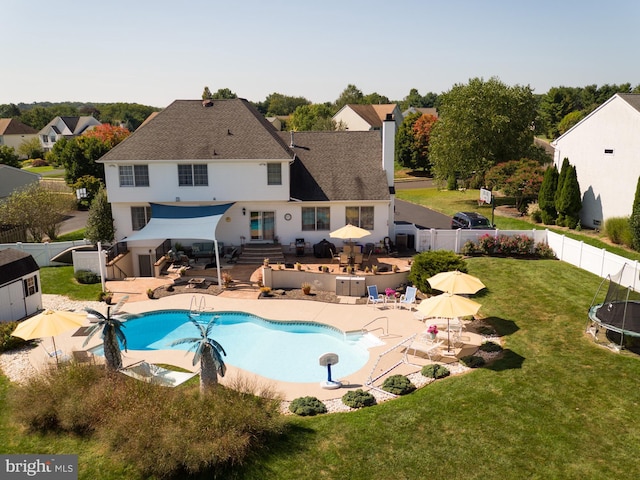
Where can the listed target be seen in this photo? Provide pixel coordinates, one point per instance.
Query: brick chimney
(388, 147)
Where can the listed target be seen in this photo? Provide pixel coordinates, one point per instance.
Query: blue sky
(155, 51)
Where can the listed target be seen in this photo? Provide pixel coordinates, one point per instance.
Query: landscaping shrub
(542, 250)
(435, 370)
(307, 406)
(86, 277)
(618, 230)
(161, 432)
(472, 361)
(8, 342)
(358, 399)
(490, 347)
(427, 264)
(398, 385)
(39, 162)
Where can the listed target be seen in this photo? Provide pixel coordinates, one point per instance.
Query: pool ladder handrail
(364, 330)
(200, 307)
(371, 379)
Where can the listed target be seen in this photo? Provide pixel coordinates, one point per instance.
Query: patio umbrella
(456, 282)
(448, 305)
(349, 232)
(49, 323)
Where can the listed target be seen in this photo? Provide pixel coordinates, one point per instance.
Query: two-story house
(605, 149)
(67, 127)
(14, 133)
(218, 170)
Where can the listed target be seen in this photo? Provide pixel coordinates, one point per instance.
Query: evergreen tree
(634, 220)
(100, 221)
(561, 178)
(206, 94)
(547, 194)
(570, 199)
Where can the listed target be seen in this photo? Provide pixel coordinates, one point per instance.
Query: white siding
(607, 181)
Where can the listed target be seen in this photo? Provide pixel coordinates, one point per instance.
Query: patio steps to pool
(254, 254)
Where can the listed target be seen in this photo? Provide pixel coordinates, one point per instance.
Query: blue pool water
(284, 351)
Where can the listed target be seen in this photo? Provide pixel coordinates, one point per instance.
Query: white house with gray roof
(65, 127)
(258, 185)
(605, 149)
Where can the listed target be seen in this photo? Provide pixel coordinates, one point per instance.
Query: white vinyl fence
(44, 252)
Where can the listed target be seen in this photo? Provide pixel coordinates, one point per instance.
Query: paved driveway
(422, 216)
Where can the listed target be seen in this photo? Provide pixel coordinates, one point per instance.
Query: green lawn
(60, 281)
(556, 406)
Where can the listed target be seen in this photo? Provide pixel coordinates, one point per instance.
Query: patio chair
(374, 297)
(408, 298)
(344, 259)
(335, 257)
(232, 256)
(59, 354)
(82, 356)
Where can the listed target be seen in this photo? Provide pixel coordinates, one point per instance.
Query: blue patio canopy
(197, 222)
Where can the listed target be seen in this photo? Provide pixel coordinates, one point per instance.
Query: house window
(274, 174)
(360, 216)
(140, 216)
(30, 286)
(45, 138)
(315, 218)
(134, 175)
(608, 151)
(193, 175)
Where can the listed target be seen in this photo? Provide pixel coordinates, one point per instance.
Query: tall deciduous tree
(38, 209)
(405, 140)
(547, 196)
(312, 117)
(520, 179)
(422, 133)
(100, 222)
(108, 134)
(350, 95)
(479, 125)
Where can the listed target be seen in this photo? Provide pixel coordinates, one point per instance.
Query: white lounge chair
(374, 297)
(423, 345)
(408, 298)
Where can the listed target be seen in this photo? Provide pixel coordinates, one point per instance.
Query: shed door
(12, 304)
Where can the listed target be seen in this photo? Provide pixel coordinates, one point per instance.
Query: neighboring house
(362, 118)
(67, 127)
(13, 132)
(225, 158)
(20, 293)
(605, 149)
(423, 110)
(12, 179)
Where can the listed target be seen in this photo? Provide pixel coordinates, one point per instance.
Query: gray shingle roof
(187, 130)
(332, 166)
(14, 264)
(12, 126)
(632, 99)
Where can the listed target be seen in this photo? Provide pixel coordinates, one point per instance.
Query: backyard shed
(20, 293)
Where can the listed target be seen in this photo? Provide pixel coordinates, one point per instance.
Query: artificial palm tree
(208, 352)
(112, 333)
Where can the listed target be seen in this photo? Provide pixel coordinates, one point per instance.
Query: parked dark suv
(471, 220)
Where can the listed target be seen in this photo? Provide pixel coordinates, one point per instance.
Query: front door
(144, 262)
(263, 226)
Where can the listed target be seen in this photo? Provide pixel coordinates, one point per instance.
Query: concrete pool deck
(392, 326)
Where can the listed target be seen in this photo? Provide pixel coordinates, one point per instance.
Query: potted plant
(298, 266)
(226, 279)
(432, 331)
(394, 268)
(265, 262)
(150, 293)
(306, 288)
(265, 291)
(374, 269)
(105, 297)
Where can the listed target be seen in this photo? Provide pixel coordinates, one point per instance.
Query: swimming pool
(284, 351)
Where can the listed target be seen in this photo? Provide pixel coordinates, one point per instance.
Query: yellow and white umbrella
(349, 232)
(448, 305)
(456, 282)
(49, 323)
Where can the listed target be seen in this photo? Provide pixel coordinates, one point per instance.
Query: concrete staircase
(254, 254)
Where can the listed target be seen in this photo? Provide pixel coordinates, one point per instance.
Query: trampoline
(619, 313)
